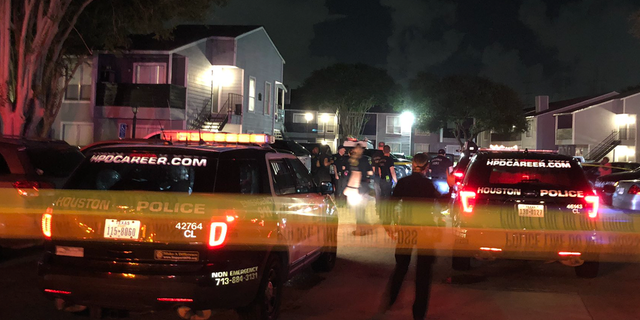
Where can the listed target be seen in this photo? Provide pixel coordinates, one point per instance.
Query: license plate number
(531, 210)
(121, 229)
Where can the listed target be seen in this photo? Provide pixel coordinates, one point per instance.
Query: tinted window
(4, 167)
(238, 176)
(304, 181)
(283, 179)
(549, 173)
(107, 175)
(54, 162)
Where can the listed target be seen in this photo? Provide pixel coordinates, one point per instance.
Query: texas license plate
(121, 229)
(531, 210)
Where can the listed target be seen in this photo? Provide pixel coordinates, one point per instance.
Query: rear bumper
(143, 291)
(626, 202)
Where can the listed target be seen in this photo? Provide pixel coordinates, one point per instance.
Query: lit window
(149, 73)
(252, 94)
(394, 125)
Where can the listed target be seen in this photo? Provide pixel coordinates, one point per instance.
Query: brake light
(634, 189)
(57, 291)
(458, 174)
(217, 234)
(46, 223)
(30, 188)
(175, 300)
(594, 201)
(468, 200)
(569, 253)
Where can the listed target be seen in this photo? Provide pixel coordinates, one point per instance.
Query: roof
(186, 34)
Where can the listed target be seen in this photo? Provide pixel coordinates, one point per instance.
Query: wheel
(326, 261)
(589, 269)
(461, 263)
(266, 305)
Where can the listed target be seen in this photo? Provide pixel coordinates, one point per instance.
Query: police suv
(206, 221)
(525, 205)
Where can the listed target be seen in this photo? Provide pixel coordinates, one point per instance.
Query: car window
(238, 176)
(4, 167)
(283, 178)
(54, 162)
(109, 171)
(304, 181)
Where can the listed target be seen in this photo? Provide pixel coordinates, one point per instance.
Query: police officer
(440, 168)
(375, 162)
(341, 169)
(417, 194)
(357, 189)
(386, 174)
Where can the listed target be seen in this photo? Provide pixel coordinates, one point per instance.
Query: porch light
(308, 116)
(407, 118)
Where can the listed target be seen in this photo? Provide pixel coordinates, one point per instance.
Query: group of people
(351, 173)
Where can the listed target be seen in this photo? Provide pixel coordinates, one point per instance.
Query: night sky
(560, 48)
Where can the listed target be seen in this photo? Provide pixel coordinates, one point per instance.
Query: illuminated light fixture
(175, 300)
(624, 119)
(502, 147)
(231, 218)
(634, 189)
(46, 223)
(491, 249)
(57, 291)
(407, 118)
(217, 234)
(468, 200)
(569, 253)
(308, 116)
(325, 118)
(594, 201)
(219, 137)
(221, 76)
(458, 174)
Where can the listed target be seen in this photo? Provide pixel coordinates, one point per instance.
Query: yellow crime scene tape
(254, 221)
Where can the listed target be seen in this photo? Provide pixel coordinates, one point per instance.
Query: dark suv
(26, 167)
(525, 205)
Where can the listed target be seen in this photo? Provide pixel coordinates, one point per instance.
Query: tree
(43, 43)
(471, 104)
(351, 90)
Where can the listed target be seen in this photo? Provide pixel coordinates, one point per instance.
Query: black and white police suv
(526, 205)
(208, 221)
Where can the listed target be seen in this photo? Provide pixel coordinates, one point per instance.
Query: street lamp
(308, 116)
(134, 109)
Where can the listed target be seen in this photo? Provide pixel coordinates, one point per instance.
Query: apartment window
(77, 133)
(394, 125)
(421, 147)
(267, 98)
(529, 128)
(252, 94)
(565, 121)
(299, 118)
(150, 73)
(79, 88)
(396, 147)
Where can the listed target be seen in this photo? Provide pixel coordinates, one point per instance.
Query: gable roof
(577, 103)
(187, 34)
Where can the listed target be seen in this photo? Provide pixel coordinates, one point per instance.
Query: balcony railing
(141, 95)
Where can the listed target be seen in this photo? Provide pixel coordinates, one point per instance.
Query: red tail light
(634, 189)
(593, 203)
(468, 200)
(57, 291)
(175, 300)
(217, 234)
(46, 223)
(30, 188)
(458, 175)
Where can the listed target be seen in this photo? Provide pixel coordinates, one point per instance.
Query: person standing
(320, 166)
(440, 168)
(417, 194)
(341, 168)
(386, 173)
(605, 167)
(375, 162)
(357, 189)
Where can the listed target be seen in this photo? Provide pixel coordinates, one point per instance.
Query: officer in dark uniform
(386, 174)
(341, 170)
(417, 194)
(440, 168)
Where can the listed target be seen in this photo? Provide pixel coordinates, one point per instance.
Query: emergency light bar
(218, 137)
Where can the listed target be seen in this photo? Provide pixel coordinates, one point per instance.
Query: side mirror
(326, 187)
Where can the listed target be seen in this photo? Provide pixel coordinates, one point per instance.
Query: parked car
(627, 195)
(605, 186)
(26, 167)
(592, 172)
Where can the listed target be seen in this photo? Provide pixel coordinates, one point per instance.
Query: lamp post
(134, 109)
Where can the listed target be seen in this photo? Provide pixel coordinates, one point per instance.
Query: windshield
(54, 162)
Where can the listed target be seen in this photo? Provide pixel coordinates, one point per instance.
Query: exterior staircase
(215, 122)
(603, 148)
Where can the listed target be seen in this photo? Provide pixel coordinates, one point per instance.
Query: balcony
(142, 95)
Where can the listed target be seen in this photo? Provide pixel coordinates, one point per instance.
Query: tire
(266, 305)
(589, 269)
(461, 263)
